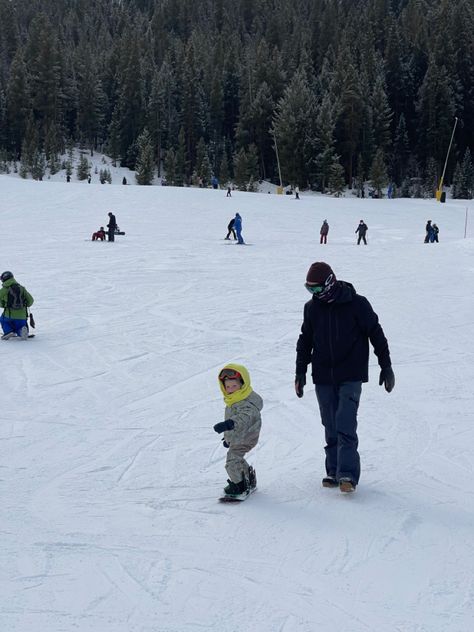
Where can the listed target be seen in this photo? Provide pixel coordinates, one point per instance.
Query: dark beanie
(319, 272)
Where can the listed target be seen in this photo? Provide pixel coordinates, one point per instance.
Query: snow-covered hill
(110, 469)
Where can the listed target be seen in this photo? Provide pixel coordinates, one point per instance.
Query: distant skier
(99, 235)
(112, 226)
(124, 180)
(297, 193)
(435, 233)
(241, 428)
(337, 326)
(15, 300)
(362, 230)
(229, 192)
(230, 229)
(429, 232)
(238, 229)
(324, 232)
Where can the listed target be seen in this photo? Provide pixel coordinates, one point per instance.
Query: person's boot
(252, 478)
(330, 481)
(346, 485)
(235, 489)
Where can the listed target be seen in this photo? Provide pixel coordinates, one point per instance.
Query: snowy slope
(110, 470)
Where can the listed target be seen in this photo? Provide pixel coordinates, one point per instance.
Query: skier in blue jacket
(238, 228)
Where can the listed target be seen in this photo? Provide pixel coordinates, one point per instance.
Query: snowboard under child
(240, 428)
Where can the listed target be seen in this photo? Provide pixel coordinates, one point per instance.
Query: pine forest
(325, 93)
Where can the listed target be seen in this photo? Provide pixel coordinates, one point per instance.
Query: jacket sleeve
(246, 419)
(3, 297)
(304, 346)
(370, 324)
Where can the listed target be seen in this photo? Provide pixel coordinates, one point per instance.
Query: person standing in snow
(112, 226)
(324, 232)
(238, 228)
(229, 192)
(240, 428)
(435, 233)
(230, 229)
(337, 326)
(362, 230)
(429, 232)
(15, 300)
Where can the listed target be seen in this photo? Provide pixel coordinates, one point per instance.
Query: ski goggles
(230, 374)
(315, 289)
(320, 288)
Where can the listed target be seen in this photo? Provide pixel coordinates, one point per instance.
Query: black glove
(387, 378)
(225, 444)
(222, 426)
(300, 381)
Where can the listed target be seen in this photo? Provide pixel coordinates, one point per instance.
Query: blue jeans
(338, 406)
(239, 236)
(11, 324)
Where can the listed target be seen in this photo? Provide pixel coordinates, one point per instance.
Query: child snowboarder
(241, 428)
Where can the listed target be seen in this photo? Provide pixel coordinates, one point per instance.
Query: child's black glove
(222, 426)
(225, 444)
(300, 381)
(387, 378)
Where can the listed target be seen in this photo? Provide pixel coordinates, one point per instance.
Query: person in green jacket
(15, 300)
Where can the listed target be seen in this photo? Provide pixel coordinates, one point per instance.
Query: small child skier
(241, 428)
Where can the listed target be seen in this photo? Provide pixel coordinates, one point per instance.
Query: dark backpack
(16, 297)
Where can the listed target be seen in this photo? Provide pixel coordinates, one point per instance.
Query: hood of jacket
(243, 392)
(8, 282)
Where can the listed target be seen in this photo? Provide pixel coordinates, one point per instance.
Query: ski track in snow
(110, 471)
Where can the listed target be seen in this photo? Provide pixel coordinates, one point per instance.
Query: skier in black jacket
(362, 230)
(337, 326)
(112, 226)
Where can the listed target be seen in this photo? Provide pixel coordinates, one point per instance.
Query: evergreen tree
(203, 164)
(401, 151)
(325, 143)
(145, 160)
(29, 147)
(378, 173)
(430, 178)
(245, 169)
(293, 119)
(224, 174)
(336, 178)
(82, 167)
(170, 166)
(181, 162)
(351, 113)
(18, 103)
(463, 178)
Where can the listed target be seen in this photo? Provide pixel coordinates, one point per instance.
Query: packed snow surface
(110, 470)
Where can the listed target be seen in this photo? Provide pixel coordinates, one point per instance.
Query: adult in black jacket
(337, 326)
(362, 230)
(112, 226)
(230, 229)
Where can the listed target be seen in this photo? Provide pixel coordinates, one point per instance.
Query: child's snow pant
(338, 406)
(236, 466)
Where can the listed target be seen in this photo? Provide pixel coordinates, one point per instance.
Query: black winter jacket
(335, 338)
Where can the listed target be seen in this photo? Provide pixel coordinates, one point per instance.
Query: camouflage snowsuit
(244, 436)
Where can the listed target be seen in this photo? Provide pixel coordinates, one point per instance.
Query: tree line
(336, 91)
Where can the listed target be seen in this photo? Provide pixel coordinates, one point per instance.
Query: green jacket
(19, 314)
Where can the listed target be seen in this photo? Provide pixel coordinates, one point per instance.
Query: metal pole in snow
(465, 224)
